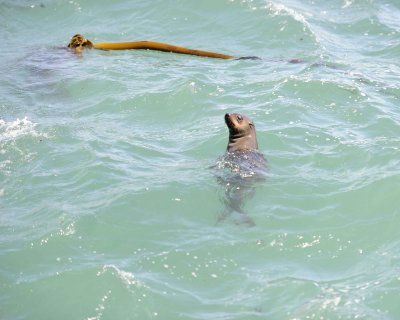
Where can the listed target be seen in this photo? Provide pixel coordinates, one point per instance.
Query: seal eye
(239, 118)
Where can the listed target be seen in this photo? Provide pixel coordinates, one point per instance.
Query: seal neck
(242, 141)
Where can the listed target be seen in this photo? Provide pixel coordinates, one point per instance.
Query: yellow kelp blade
(78, 42)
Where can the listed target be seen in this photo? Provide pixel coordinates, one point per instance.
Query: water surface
(108, 205)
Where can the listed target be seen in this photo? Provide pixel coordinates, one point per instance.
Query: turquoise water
(109, 205)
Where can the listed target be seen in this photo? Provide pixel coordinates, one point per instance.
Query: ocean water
(109, 203)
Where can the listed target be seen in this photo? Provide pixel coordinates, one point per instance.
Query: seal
(245, 166)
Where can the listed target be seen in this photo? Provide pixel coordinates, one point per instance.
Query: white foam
(278, 8)
(347, 3)
(127, 277)
(12, 130)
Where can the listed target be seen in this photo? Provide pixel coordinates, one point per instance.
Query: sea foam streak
(11, 130)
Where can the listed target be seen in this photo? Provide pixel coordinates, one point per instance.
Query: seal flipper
(242, 218)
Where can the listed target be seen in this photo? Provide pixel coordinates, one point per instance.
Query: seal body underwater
(243, 165)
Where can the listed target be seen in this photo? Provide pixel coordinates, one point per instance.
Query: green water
(108, 201)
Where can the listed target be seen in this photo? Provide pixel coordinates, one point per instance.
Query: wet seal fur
(242, 145)
(242, 133)
(243, 165)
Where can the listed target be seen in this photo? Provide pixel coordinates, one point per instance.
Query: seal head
(242, 133)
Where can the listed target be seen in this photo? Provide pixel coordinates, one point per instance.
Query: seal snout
(228, 120)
